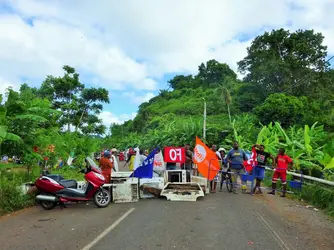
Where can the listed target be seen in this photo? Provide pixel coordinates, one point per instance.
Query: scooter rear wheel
(48, 205)
(102, 198)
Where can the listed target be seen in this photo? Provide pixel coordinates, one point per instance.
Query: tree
(288, 110)
(226, 88)
(89, 105)
(283, 61)
(214, 72)
(248, 96)
(26, 117)
(79, 105)
(5, 135)
(181, 81)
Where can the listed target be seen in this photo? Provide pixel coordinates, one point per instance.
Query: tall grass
(11, 198)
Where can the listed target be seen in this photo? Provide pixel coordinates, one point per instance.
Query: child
(283, 162)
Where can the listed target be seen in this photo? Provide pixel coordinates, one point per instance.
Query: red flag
(206, 160)
(252, 162)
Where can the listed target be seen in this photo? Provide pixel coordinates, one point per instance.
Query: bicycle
(227, 177)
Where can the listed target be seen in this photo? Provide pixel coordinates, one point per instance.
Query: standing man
(106, 166)
(189, 161)
(189, 158)
(259, 170)
(283, 163)
(236, 158)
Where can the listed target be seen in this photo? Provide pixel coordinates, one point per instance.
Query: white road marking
(272, 232)
(108, 230)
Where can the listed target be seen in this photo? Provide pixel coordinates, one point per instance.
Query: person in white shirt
(114, 159)
(142, 157)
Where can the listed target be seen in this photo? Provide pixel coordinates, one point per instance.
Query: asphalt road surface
(217, 221)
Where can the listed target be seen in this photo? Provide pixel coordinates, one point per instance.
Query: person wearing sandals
(236, 158)
(259, 170)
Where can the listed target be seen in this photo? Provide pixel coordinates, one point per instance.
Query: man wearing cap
(106, 165)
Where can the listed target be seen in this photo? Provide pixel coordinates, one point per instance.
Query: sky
(132, 48)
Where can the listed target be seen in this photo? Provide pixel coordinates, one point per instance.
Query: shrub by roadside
(11, 198)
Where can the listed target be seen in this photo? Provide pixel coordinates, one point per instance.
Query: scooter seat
(56, 177)
(69, 183)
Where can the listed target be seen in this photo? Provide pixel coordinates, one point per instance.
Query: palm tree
(224, 89)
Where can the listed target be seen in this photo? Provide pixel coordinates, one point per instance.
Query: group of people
(232, 163)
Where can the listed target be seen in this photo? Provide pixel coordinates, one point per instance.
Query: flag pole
(204, 120)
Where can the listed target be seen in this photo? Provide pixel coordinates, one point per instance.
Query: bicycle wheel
(229, 184)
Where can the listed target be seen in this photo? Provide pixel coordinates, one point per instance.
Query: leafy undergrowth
(11, 198)
(320, 196)
(9, 165)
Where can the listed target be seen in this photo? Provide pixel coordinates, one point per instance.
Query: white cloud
(129, 44)
(138, 99)
(108, 118)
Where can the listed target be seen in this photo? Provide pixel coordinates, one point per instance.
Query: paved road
(217, 221)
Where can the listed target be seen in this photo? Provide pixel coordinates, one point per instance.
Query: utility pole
(204, 121)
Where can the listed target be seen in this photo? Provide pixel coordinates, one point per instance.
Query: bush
(319, 196)
(316, 172)
(11, 198)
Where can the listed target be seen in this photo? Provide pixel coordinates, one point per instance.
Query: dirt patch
(312, 224)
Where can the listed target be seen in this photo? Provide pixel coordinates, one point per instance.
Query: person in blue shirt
(236, 158)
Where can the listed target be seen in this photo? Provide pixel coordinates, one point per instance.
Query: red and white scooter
(57, 190)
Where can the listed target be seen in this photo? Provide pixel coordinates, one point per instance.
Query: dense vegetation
(62, 113)
(285, 99)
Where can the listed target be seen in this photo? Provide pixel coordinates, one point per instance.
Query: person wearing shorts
(283, 162)
(259, 170)
(236, 158)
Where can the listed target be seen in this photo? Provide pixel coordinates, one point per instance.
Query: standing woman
(106, 165)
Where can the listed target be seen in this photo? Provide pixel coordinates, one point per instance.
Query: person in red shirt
(283, 163)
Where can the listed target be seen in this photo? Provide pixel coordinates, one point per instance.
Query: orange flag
(206, 160)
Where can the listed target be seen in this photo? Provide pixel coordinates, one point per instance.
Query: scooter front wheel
(102, 198)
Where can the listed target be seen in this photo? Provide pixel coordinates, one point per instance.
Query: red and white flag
(251, 162)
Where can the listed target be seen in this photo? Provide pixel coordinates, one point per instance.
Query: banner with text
(174, 155)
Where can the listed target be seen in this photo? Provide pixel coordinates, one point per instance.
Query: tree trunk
(229, 113)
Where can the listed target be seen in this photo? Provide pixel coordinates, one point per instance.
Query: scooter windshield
(93, 165)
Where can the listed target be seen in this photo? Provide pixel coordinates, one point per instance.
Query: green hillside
(288, 87)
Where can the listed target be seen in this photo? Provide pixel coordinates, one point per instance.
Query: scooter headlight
(100, 176)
